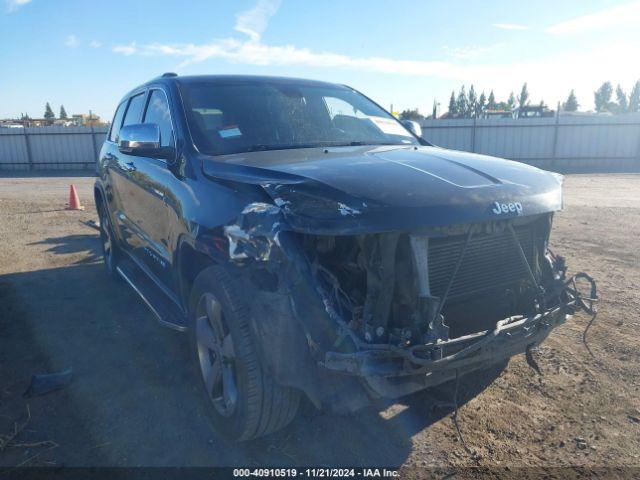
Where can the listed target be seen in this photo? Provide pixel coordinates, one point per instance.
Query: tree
(48, 113)
(453, 105)
(472, 103)
(511, 103)
(411, 115)
(602, 97)
(491, 104)
(623, 104)
(481, 105)
(462, 103)
(434, 113)
(634, 98)
(523, 98)
(571, 105)
(63, 113)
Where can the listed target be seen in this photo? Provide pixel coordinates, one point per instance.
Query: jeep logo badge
(511, 207)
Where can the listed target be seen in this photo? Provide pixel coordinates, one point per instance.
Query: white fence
(50, 148)
(564, 143)
(561, 143)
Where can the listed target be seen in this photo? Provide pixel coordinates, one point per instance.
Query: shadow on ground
(132, 400)
(87, 244)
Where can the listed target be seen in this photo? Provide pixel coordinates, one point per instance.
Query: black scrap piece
(42, 384)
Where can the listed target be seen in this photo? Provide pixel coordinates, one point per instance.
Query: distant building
(86, 120)
(534, 111)
(25, 122)
(82, 120)
(564, 113)
(498, 114)
(64, 122)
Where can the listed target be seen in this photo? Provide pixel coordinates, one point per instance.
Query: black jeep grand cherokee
(309, 243)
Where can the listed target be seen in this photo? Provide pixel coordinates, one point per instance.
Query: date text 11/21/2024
(316, 472)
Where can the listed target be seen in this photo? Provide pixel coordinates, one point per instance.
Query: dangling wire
(584, 333)
(587, 304)
(454, 417)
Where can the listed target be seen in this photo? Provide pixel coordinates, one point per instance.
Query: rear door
(123, 179)
(113, 169)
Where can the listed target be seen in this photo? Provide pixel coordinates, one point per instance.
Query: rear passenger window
(117, 121)
(158, 113)
(134, 112)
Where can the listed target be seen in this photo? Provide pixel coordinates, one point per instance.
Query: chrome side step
(163, 308)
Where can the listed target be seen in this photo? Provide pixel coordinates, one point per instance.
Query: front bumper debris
(511, 336)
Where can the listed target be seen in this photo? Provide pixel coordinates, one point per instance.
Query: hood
(366, 189)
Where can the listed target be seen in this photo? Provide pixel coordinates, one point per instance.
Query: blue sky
(87, 54)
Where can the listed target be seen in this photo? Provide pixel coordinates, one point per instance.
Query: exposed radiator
(491, 260)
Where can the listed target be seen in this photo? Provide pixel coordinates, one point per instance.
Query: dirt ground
(129, 403)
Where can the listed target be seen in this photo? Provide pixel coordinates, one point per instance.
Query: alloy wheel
(216, 355)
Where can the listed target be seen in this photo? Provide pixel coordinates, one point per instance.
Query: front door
(149, 189)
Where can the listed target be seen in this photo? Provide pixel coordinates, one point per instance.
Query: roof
(231, 79)
(227, 79)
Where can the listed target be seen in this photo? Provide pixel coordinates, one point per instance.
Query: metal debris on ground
(92, 224)
(49, 382)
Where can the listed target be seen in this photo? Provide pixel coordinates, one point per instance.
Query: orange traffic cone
(74, 201)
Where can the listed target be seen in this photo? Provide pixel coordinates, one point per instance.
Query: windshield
(244, 117)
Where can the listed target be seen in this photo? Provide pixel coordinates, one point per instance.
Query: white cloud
(621, 15)
(126, 50)
(13, 5)
(253, 22)
(256, 53)
(470, 52)
(95, 44)
(510, 26)
(553, 76)
(71, 41)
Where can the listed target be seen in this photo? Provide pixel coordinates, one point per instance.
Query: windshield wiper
(360, 143)
(260, 147)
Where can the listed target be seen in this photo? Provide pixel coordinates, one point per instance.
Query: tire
(111, 253)
(244, 402)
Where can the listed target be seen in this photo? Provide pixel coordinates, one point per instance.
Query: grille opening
(491, 260)
(491, 284)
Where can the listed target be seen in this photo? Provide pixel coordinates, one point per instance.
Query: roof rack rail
(169, 74)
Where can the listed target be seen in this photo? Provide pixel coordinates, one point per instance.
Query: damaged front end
(422, 305)
(350, 317)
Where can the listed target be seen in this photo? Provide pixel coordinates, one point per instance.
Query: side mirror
(141, 139)
(413, 127)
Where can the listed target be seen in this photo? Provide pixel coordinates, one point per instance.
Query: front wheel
(245, 402)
